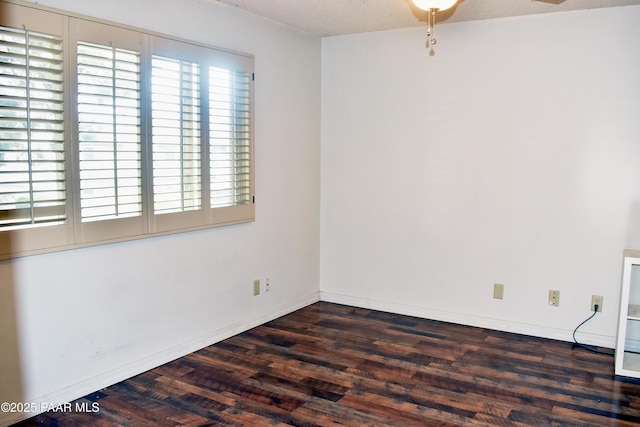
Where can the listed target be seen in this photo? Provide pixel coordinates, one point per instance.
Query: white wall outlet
(267, 285)
(554, 298)
(596, 299)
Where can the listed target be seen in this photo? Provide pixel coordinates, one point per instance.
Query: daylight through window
(115, 133)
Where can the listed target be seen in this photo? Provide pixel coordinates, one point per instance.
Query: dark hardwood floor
(333, 365)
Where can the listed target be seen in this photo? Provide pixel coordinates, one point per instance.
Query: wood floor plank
(335, 365)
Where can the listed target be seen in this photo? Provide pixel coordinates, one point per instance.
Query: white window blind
(32, 160)
(177, 166)
(109, 132)
(230, 136)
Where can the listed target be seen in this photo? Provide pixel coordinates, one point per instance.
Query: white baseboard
(115, 376)
(468, 320)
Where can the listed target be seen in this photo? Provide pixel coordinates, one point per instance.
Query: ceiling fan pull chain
(431, 28)
(429, 32)
(432, 24)
(431, 7)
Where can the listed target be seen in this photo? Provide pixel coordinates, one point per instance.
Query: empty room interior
(460, 182)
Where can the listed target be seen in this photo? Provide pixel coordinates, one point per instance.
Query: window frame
(74, 233)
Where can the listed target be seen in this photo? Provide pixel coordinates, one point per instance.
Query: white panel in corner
(627, 361)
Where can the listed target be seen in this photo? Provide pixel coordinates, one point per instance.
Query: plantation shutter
(109, 133)
(32, 160)
(230, 137)
(177, 183)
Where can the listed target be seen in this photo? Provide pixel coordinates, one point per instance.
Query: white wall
(512, 155)
(86, 318)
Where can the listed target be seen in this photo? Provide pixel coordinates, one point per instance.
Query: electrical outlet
(498, 290)
(267, 285)
(554, 298)
(256, 287)
(596, 299)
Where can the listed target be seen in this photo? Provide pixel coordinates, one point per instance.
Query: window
(109, 132)
(32, 158)
(229, 100)
(129, 135)
(175, 117)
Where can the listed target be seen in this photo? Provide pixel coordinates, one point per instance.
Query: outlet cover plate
(596, 299)
(554, 298)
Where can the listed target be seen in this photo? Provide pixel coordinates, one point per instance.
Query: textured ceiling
(336, 17)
